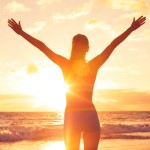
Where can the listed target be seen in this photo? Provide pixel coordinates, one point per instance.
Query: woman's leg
(72, 140)
(72, 131)
(91, 132)
(91, 140)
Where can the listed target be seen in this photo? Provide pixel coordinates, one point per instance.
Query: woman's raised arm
(101, 58)
(57, 59)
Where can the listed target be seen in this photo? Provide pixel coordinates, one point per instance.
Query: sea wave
(126, 131)
(54, 132)
(125, 128)
(18, 133)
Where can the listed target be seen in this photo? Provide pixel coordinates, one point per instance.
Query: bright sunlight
(54, 145)
(48, 88)
(58, 145)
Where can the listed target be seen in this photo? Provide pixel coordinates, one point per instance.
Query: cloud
(14, 6)
(37, 27)
(123, 99)
(7, 69)
(117, 68)
(133, 49)
(105, 84)
(32, 68)
(73, 15)
(131, 15)
(140, 5)
(122, 4)
(91, 24)
(14, 96)
(144, 36)
(80, 11)
(15, 70)
(45, 2)
(107, 28)
(135, 38)
(16, 102)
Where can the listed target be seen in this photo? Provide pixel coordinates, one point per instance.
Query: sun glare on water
(54, 146)
(58, 145)
(48, 88)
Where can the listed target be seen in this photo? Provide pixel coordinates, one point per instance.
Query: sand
(115, 144)
(119, 144)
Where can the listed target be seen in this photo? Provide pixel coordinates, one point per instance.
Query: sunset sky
(29, 81)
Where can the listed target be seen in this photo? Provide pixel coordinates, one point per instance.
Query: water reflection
(58, 145)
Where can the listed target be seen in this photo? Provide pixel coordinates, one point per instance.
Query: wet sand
(115, 144)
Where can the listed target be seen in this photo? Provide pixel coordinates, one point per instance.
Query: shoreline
(106, 144)
(127, 144)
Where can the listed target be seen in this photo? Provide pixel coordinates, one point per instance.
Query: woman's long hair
(80, 46)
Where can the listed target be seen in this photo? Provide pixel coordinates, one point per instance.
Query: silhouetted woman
(80, 114)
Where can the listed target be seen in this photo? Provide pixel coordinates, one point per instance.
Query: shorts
(80, 122)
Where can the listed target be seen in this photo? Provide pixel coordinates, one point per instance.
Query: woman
(80, 114)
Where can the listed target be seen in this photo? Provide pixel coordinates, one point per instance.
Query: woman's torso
(80, 78)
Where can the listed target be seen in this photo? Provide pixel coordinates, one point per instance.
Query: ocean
(27, 128)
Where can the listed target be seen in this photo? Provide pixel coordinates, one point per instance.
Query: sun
(47, 87)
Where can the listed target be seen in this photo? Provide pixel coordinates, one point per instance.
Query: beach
(44, 131)
(115, 144)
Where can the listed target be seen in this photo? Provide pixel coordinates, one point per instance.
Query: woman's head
(80, 45)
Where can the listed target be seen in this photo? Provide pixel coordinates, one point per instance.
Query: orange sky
(123, 82)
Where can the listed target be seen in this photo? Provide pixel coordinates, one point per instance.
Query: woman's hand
(137, 23)
(15, 26)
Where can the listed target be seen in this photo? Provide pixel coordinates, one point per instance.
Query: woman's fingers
(141, 19)
(10, 22)
(13, 21)
(10, 25)
(142, 23)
